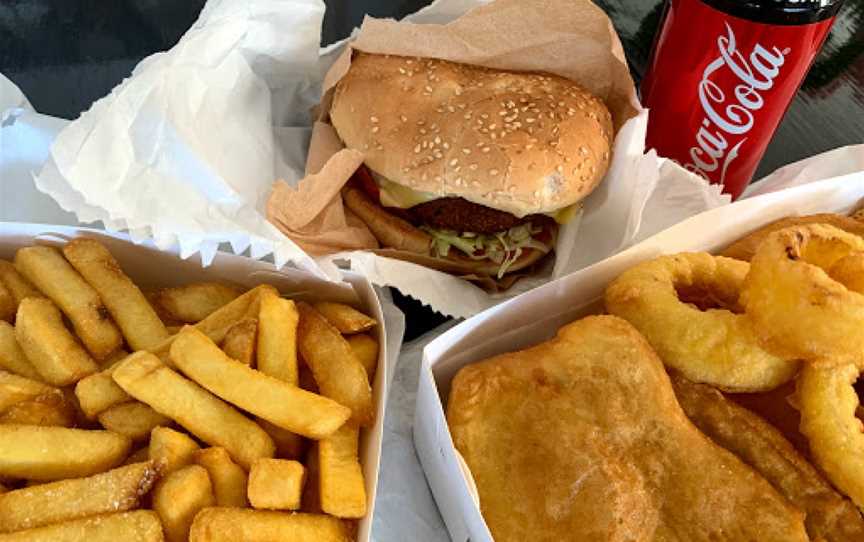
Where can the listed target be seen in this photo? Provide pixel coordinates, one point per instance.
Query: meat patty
(462, 215)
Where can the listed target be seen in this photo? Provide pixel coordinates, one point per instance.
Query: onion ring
(828, 404)
(714, 346)
(797, 309)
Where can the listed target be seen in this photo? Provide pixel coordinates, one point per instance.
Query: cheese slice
(402, 197)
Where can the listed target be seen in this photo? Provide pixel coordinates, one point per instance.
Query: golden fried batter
(581, 438)
(830, 517)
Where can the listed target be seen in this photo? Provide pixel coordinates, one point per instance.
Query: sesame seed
(503, 133)
(417, 149)
(454, 161)
(466, 150)
(492, 126)
(486, 149)
(466, 116)
(437, 140)
(373, 119)
(423, 131)
(493, 172)
(583, 151)
(560, 169)
(530, 120)
(403, 118)
(494, 135)
(402, 71)
(428, 88)
(374, 129)
(451, 109)
(409, 61)
(473, 167)
(484, 116)
(446, 145)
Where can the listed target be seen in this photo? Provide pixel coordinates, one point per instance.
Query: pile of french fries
(200, 412)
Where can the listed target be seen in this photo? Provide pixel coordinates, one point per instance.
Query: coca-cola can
(722, 74)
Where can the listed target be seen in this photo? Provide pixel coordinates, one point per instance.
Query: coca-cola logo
(731, 115)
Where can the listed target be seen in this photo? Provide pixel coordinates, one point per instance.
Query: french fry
(178, 497)
(12, 358)
(217, 324)
(51, 409)
(50, 453)
(227, 477)
(234, 524)
(46, 268)
(7, 304)
(276, 484)
(194, 302)
(338, 372)
(282, 404)
(117, 490)
(16, 389)
(53, 351)
(277, 338)
(18, 286)
(345, 318)
(139, 455)
(239, 342)
(134, 420)
(341, 485)
(171, 449)
(366, 350)
(98, 392)
(288, 445)
(150, 381)
(137, 320)
(137, 526)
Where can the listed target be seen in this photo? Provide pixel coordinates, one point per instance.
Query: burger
(469, 170)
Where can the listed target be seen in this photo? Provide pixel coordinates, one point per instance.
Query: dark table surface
(64, 54)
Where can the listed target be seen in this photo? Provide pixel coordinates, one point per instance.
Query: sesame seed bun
(518, 142)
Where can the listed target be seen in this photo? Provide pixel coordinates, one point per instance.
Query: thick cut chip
(341, 485)
(54, 352)
(277, 338)
(194, 302)
(235, 524)
(50, 453)
(50, 409)
(117, 490)
(150, 381)
(98, 392)
(137, 526)
(12, 358)
(345, 318)
(288, 445)
(228, 478)
(16, 389)
(171, 449)
(338, 372)
(276, 484)
(18, 286)
(239, 342)
(46, 268)
(134, 420)
(178, 497)
(139, 323)
(366, 350)
(593, 409)
(278, 402)
(7, 304)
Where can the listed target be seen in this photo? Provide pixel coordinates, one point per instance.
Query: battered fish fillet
(581, 438)
(830, 516)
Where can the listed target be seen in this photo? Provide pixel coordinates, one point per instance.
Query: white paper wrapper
(184, 152)
(151, 268)
(536, 316)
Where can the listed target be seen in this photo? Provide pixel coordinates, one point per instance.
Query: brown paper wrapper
(571, 38)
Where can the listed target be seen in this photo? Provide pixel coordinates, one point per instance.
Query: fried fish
(581, 438)
(830, 516)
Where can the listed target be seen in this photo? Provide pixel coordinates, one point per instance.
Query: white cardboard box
(536, 316)
(149, 268)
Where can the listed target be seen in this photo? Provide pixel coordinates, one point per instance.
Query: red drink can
(721, 76)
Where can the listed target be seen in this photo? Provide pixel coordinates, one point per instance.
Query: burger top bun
(515, 141)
